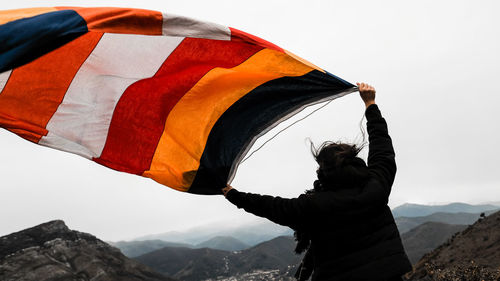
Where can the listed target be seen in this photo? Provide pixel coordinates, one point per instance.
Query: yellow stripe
(11, 15)
(191, 120)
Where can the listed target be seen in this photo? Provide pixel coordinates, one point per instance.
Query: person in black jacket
(344, 223)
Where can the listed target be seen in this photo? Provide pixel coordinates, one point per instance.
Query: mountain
(274, 257)
(416, 210)
(250, 234)
(187, 264)
(51, 251)
(277, 253)
(426, 237)
(136, 248)
(473, 254)
(226, 243)
(406, 223)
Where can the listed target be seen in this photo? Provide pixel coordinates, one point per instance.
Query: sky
(434, 64)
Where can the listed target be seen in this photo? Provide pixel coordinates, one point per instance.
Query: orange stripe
(121, 20)
(35, 90)
(304, 61)
(11, 15)
(189, 123)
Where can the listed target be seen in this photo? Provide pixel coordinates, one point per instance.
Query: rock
(51, 251)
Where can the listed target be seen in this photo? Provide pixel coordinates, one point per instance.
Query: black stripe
(27, 39)
(251, 115)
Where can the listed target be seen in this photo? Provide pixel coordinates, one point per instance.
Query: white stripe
(4, 77)
(81, 122)
(174, 25)
(57, 142)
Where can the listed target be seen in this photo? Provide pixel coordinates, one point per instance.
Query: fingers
(226, 189)
(363, 87)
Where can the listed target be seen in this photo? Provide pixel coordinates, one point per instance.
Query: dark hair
(339, 165)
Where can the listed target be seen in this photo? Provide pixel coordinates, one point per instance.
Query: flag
(153, 94)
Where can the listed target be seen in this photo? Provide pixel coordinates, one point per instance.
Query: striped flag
(158, 95)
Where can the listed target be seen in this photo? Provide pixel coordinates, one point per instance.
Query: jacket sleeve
(289, 212)
(381, 157)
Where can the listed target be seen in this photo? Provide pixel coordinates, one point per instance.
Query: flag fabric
(162, 96)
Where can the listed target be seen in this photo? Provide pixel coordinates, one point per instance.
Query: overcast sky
(435, 65)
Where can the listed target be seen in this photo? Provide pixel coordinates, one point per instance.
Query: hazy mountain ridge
(51, 251)
(272, 257)
(473, 254)
(418, 210)
(226, 243)
(136, 248)
(250, 234)
(406, 223)
(426, 237)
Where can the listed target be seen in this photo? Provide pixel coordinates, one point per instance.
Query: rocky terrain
(53, 252)
(473, 254)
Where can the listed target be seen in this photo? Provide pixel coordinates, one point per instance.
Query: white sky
(435, 66)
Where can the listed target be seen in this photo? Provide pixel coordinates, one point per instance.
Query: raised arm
(381, 157)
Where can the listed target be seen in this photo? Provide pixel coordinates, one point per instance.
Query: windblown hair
(339, 165)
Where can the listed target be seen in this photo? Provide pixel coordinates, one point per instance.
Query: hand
(226, 189)
(367, 93)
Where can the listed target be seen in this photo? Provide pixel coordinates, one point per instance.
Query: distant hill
(136, 248)
(51, 252)
(250, 234)
(406, 223)
(417, 210)
(200, 264)
(187, 264)
(473, 254)
(226, 243)
(426, 237)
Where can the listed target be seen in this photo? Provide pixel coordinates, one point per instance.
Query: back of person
(357, 245)
(345, 220)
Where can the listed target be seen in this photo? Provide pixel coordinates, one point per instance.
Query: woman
(344, 223)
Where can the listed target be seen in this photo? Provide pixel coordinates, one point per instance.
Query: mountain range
(417, 210)
(201, 264)
(137, 248)
(250, 234)
(469, 250)
(406, 223)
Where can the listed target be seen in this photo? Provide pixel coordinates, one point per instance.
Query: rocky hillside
(271, 260)
(473, 254)
(51, 251)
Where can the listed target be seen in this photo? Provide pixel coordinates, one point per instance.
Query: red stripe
(241, 36)
(139, 117)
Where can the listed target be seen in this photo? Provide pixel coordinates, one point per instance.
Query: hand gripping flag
(163, 96)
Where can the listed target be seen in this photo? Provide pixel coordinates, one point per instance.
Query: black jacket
(352, 230)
